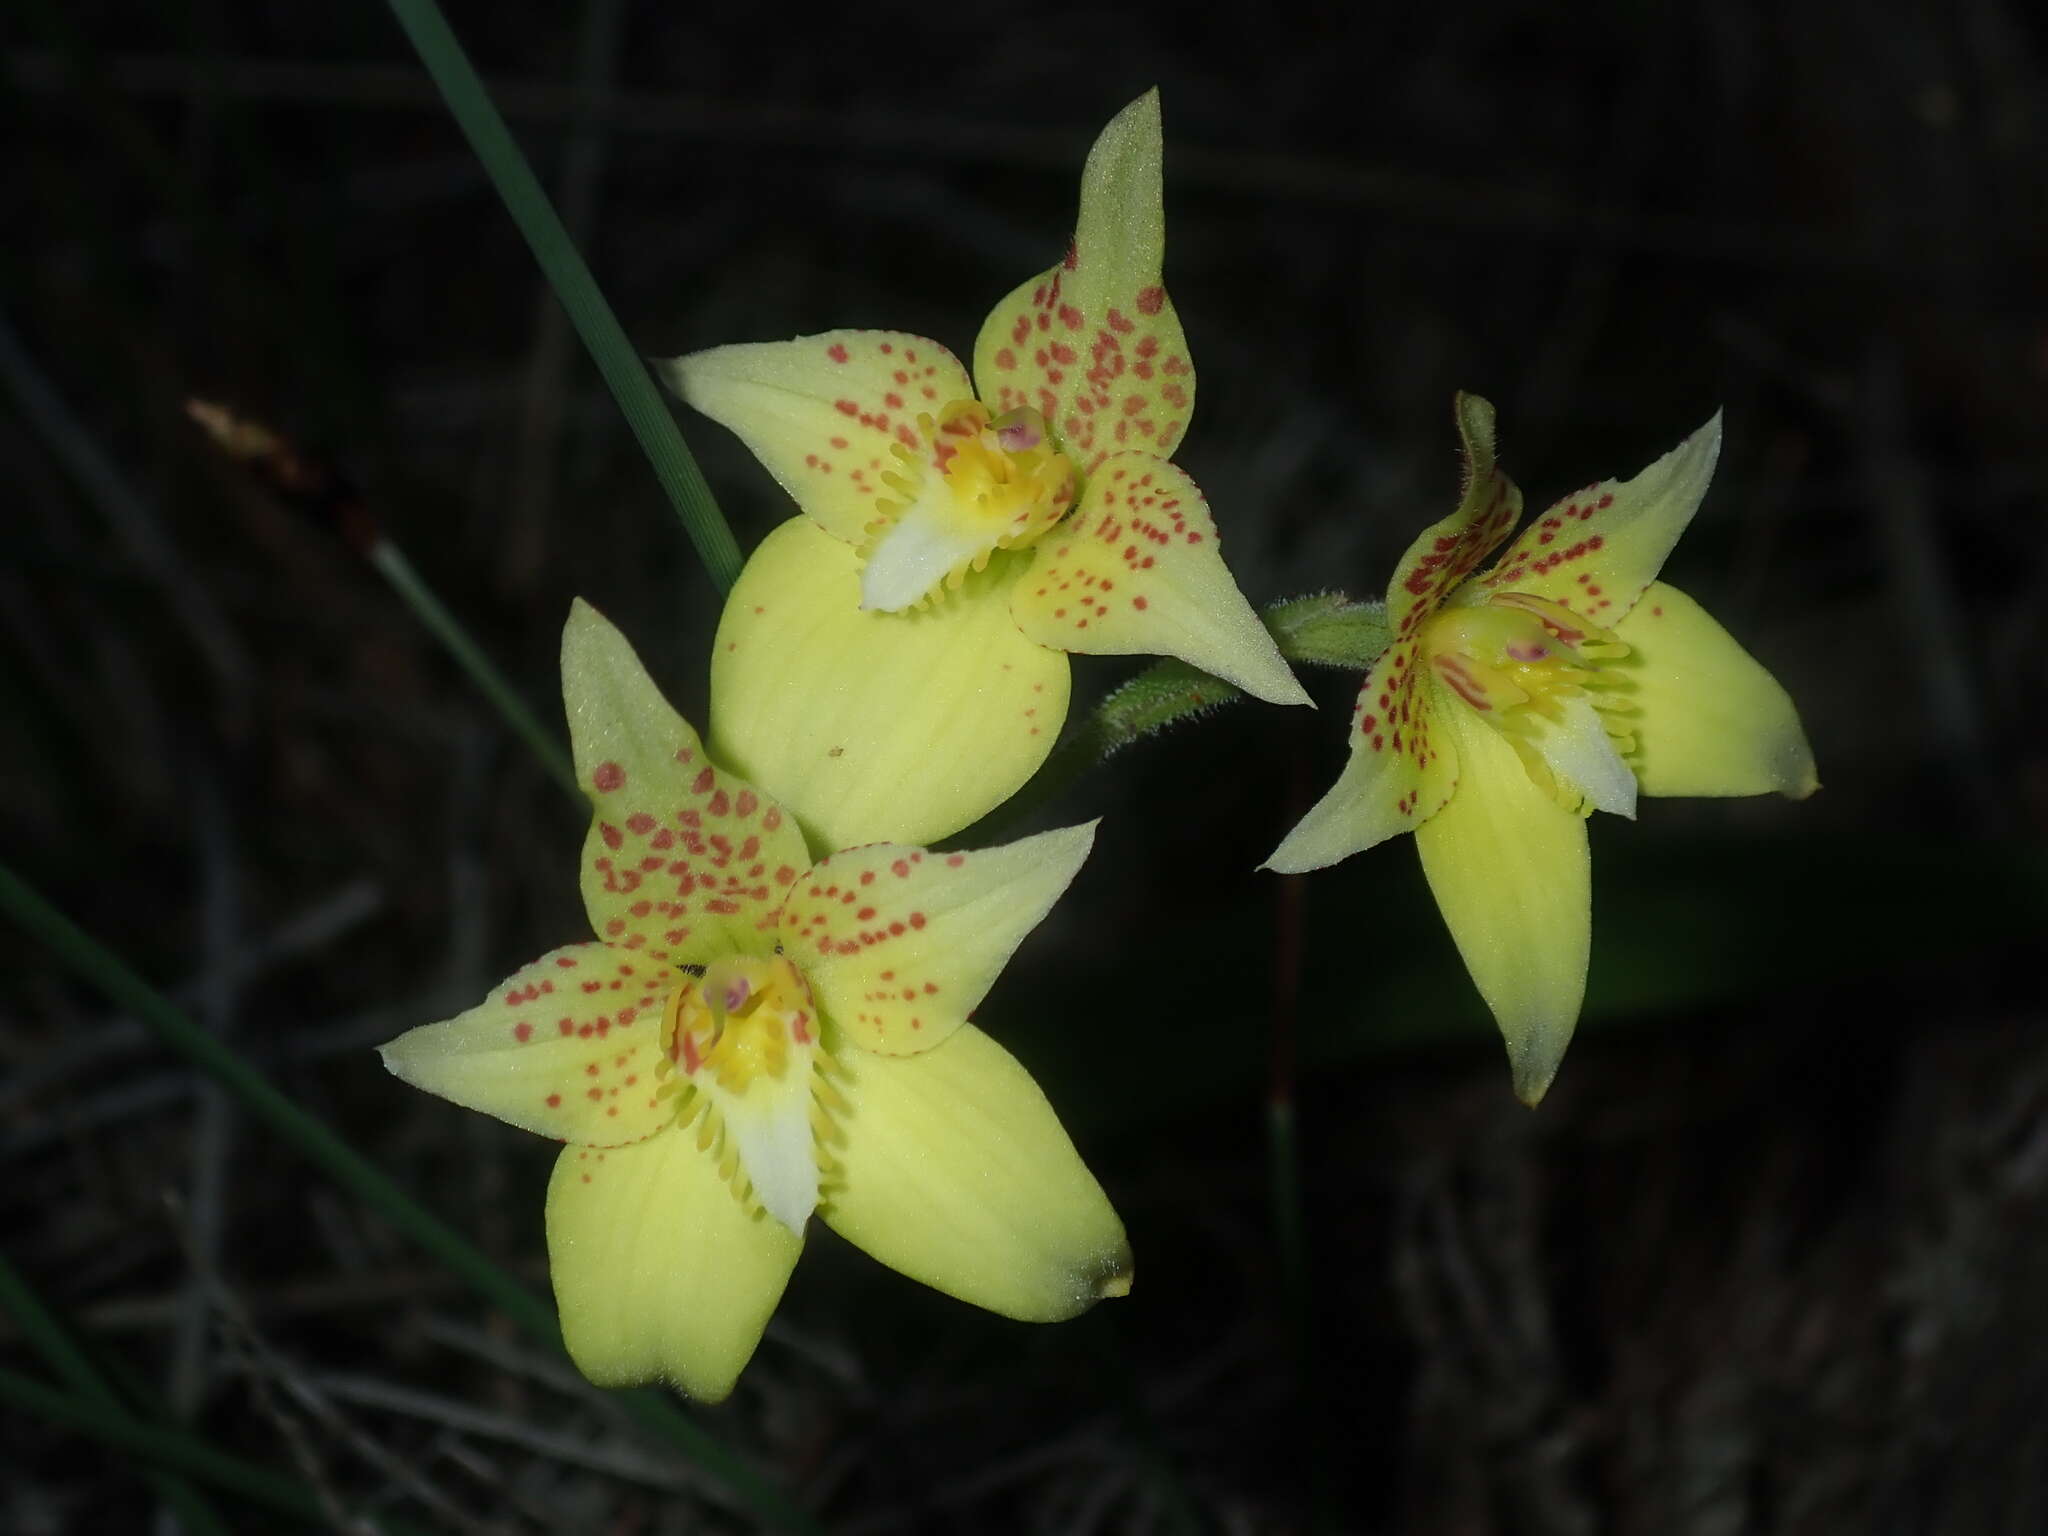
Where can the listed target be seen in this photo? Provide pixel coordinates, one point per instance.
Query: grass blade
(646, 412)
(70, 1362)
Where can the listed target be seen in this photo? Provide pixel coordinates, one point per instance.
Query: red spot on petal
(608, 777)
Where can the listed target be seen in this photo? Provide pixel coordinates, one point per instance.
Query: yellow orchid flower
(755, 1037)
(1511, 705)
(909, 632)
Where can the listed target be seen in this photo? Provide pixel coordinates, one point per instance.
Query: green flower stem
(640, 401)
(57, 1347)
(347, 1167)
(1324, 630)
(391, 562)
(1283, 1156)
(1284, 1180)
(1327, 629)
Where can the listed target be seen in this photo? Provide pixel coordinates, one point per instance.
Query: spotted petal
(1510, 872)
(660, 1273)
(900, 945)
(684, 861)
(878, 726)
(1137, 570)
(1709, 719)
(1401, 769)
(1596, 550)
(1094, 344)
(822, 412)
(566, 1047)
(1449, 551)
(951, 1167)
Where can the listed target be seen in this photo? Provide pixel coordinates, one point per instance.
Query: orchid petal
(1596, 550)
(684, 861)
(926, 543)
(1510, 872)
(1094, 344)
(1449, 551)
(1709, 719)
(567, 1047)
(1137, 570)
(769, 1126)
(900, 945)
(871, 726)
(1578, 750)
(951, 1167)
(1401, 770)
(823, 412)
(659, 1271)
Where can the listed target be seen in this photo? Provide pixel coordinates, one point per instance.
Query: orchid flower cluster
(770, 1021)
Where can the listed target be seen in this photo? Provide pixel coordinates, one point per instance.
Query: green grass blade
(347, 1167)
(646, 412)
(390, 561)
(174, 1451)
(61, 1351)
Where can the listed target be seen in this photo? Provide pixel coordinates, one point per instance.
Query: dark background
(1772, 1256)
